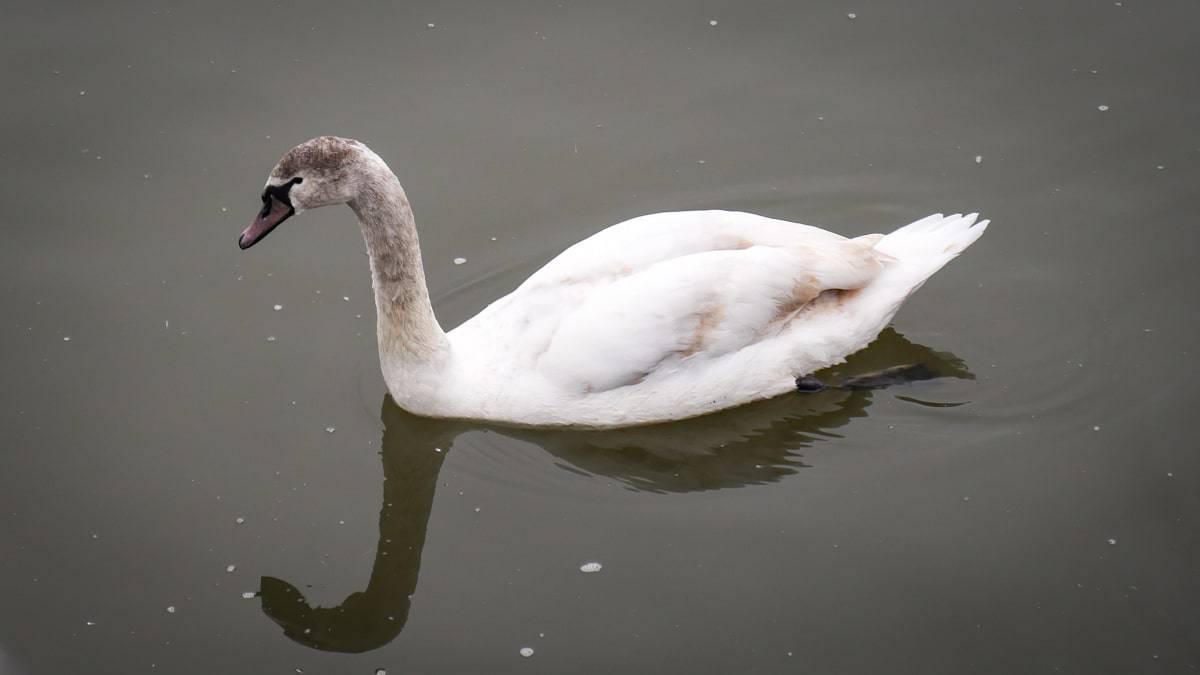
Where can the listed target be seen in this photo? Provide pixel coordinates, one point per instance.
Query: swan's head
(324, 171)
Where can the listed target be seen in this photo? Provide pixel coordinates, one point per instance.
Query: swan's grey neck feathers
(409, 333)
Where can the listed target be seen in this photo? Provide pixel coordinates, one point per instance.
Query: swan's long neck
(409, 334)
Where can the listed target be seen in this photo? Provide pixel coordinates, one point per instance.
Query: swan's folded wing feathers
(636, 244)
(678, 312)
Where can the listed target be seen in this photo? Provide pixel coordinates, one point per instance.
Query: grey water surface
(172, 442)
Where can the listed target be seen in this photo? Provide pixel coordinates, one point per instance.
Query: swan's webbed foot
(808, 384)
(911, 372)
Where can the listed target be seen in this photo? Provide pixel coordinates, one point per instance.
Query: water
(961, 524)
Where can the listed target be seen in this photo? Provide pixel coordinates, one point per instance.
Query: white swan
(661, 317)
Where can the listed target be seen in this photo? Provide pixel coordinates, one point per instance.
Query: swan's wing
(634, 245)
(685, 310)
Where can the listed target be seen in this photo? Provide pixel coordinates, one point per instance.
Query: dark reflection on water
(752, 445)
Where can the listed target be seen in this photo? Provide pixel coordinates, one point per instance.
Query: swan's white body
(675, 315)
(661, 317)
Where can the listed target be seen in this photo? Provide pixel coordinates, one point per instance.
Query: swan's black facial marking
(280, 192)
(277, 207)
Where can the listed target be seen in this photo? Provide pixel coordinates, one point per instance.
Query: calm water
(1035, 510)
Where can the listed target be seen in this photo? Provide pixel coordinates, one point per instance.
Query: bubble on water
(230, 568)
(270, 338)
(277, 307)
(82, 93)
(437, 449)
(712, 22)
(248, 595)
(1102, 108)
(1160, 167)
(590, 567)
(979, 159)
(346, 298)
(1112, 542)
(431, 25)
(90, 623)
(460, 261)
(851, 16)
(66, 338)
(224, 209)
(380, 671)
(526, 652)
(1096, 428)
(330, 430)
(170, 609)
(476, 509)
(239, 520)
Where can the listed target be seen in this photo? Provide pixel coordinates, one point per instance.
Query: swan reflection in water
(751, 445)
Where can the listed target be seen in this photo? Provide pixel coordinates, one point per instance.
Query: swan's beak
(273, 213)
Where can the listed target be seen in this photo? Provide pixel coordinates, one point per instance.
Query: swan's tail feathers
(931, 242)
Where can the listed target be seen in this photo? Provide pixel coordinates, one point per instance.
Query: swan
(662, 317)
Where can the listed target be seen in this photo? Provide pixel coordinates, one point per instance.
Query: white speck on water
(1096, 428)
(224, 209)
(330, 430)
(170, 609)
(230, 568)
(851, 15)
(90, 623)
(712, 22)
(82, 93)
(239, 520)
(66, 338)
(527, 651)
(590, 567)
(380, 671)
(95, 536)
(248, 595)
(270, 338)
(1112, 542)
(1102, 108)
(459, 261)
(476, 509)
(979, 159)
(277, 307)
(702, 161)
(437, 449)
(1170, 474)
(346, 298)
(145, 176)
(1160, 167)
(431, 25)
